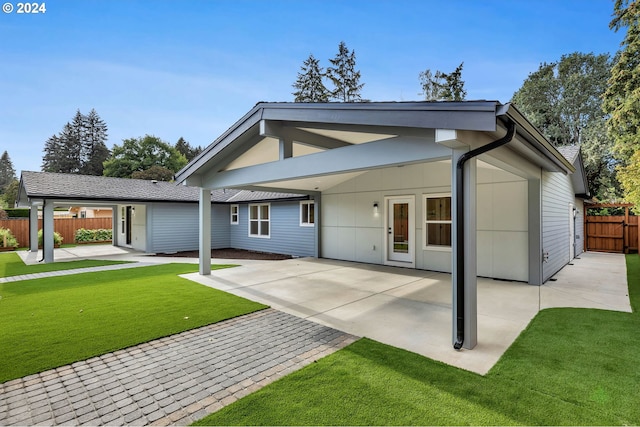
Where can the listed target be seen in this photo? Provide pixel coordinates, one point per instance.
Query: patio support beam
(274, 129)
(286, 148)
(47, 231)
(205, 232)
(535, 231)
(33, 228)
(470, 250)
(383, 153)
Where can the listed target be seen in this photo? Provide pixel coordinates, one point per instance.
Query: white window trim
(426, 247)
(308, 203)
(237, 214)
(259, 236)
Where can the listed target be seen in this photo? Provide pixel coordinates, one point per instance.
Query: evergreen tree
(442, 86)
(79, 147)
(344, 76)
(11, 193)
(309, 85)
(187, 150)
(622, 99)
(94, 148)
(7, 172)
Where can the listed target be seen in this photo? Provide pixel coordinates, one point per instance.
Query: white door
(572, 231)
(400, 230)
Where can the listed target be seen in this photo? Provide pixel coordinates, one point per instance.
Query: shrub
(98, 235)
(6, 239)
(17, 212)
(3, 214)
(57, 238)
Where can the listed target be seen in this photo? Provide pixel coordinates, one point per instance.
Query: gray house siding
(220, 236)
(286, 234)
(557, 195)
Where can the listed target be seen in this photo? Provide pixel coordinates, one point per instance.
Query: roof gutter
(511, 130)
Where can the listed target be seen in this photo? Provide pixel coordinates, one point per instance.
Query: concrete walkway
(174, 380)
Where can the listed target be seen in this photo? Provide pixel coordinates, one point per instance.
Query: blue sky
(191, 68)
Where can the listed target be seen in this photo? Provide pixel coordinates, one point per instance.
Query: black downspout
(511, 128)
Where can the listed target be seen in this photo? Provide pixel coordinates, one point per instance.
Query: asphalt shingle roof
(99, 188)
(570, 152)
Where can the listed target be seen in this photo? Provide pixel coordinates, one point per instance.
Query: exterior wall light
(375, 208)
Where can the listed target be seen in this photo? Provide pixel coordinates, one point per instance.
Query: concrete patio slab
(411, 309)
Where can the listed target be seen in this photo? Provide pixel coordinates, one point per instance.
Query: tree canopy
(309, 84)
(564, 100)
(442, 86)
(79, 148)
(622, 99)
(140, 154)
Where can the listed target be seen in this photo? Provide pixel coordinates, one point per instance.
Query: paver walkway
(173, 380)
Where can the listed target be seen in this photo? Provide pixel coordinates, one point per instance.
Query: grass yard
(49, 322)
(569, 367)
(12, 265)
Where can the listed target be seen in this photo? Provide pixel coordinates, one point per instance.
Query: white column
(47, 233)
(33, 228)
(205, 231)
(470, 250)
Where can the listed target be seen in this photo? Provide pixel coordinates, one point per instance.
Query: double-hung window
(307, 214)
(259, 220)
(235, 214)
(437, 218)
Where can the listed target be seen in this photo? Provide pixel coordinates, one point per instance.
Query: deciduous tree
(140, 154)
(564, 100)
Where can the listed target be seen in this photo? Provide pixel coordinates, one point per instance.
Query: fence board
(65, 226)
(612, 233)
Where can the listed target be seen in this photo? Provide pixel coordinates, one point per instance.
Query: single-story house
(162, 217)
(471, 188)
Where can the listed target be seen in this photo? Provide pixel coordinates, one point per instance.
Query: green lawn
(45, 323)
(569, 367)
(12, 265)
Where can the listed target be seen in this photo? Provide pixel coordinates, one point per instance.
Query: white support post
(47, 233)
(33, 228)
(470, 249)
(205, 231)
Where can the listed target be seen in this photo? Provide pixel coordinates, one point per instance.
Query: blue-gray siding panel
(287, 237)
(175, 227)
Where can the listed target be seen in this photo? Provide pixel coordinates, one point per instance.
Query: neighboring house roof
(573, 154)
(60, 186)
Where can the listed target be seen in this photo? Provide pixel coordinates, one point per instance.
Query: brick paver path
(173, 380)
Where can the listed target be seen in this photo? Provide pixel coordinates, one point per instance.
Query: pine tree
(79, 147)
(7, 172)
(94, 149)
(187, 150)
(309, 85)
(343, 75)
(442, 86)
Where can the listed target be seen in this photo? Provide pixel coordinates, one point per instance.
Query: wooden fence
(65, 226)
(617, 234)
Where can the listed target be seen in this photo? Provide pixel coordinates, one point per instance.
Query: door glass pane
(401, 227)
